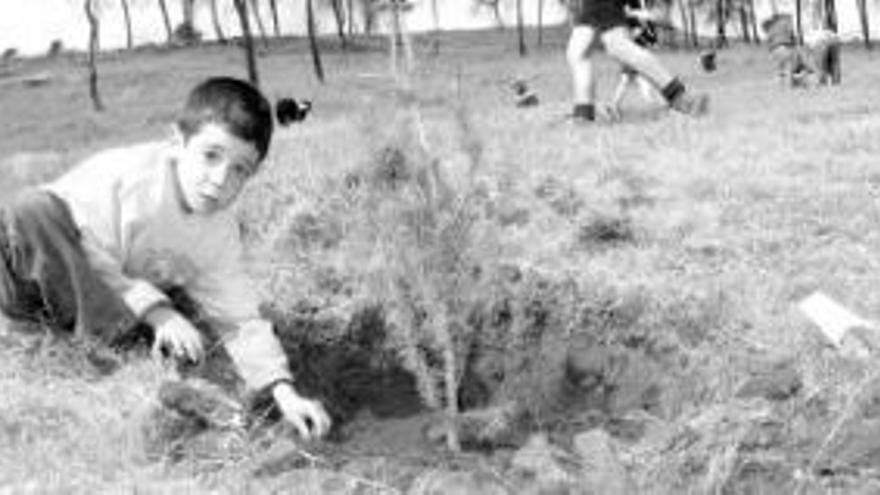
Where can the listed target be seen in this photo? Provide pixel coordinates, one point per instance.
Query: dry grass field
(678, 247)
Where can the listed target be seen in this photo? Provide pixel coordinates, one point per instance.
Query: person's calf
(678, 98)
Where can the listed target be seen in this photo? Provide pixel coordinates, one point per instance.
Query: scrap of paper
(833, 319)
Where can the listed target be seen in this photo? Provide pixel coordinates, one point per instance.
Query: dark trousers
(44, 273)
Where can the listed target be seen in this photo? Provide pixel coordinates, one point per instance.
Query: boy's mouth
(208, 199)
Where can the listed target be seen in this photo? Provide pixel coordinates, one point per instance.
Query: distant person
(796, 65)
(791, 67)
(98, 251)
(607, 20)
(823, 46)
(644, 34)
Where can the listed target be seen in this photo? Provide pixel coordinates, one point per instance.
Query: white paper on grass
(833, 319)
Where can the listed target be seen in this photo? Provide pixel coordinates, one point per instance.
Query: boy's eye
(241, 170)
(212, 156)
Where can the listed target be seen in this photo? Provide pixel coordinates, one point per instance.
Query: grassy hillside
(697, 236)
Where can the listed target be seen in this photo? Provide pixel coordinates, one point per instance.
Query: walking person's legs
(578, 54)
(619, 45)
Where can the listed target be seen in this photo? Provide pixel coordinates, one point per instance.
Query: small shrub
(562, 198)
(55, 48)
(433, 250)
(9, 55)
(605, 231)
(186, 34)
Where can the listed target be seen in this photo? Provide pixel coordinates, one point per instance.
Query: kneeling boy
(97, 250)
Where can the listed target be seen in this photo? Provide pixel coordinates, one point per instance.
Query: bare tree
(692, 20)
(685, 25)
(397, 35)
(256, 9)
(313, 41)
(744, 22)
(241, 9)
(94, 26)
(188, 11)
(127, 16)
(186, 32)
(520, 29)
(753, 17)
(495, 7)
(163, 7)
(830, 23)
(721, 15)
(273, 6)
(435, 30)
(540, 23)
(349, 6)
(865, 22)
(339, 17)
(215, 19)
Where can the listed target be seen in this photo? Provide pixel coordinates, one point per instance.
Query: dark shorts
(602, 15)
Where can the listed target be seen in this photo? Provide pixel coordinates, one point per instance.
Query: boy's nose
(218, 175)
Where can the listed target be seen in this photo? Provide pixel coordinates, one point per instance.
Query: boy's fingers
(321, 420)
(194, 348)
(158, 350)
(301, 427)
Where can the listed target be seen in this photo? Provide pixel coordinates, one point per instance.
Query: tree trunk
(93, 48)
(166, 19)
(339, 17)
(126, 14)
(496, 11)
(349, 7)
(215, 19)
(520, 29)
(394, 39)
(798, 21)
(241, 8)
(753, 20)
(865, 22)
(685, 25)
(830, 22)
(540, 23)
(692, 19)
(313, 41)
(435, 16)
(256, 8)
(720, 23)
(369, 14)
(188, 7)
(744, 26)
(273, 6)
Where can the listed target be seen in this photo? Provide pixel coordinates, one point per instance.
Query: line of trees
(723, 13)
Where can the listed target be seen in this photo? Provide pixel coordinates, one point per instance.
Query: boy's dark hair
(232, 103)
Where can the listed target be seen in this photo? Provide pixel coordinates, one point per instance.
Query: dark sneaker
(694, 105)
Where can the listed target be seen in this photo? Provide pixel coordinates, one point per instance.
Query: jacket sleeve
(227, 296)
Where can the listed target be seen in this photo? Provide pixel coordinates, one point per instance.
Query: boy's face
(212, 168)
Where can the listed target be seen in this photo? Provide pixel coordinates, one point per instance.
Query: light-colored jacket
(140, 240)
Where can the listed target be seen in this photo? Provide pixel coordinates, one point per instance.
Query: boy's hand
(306, 415)
(174, 334)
